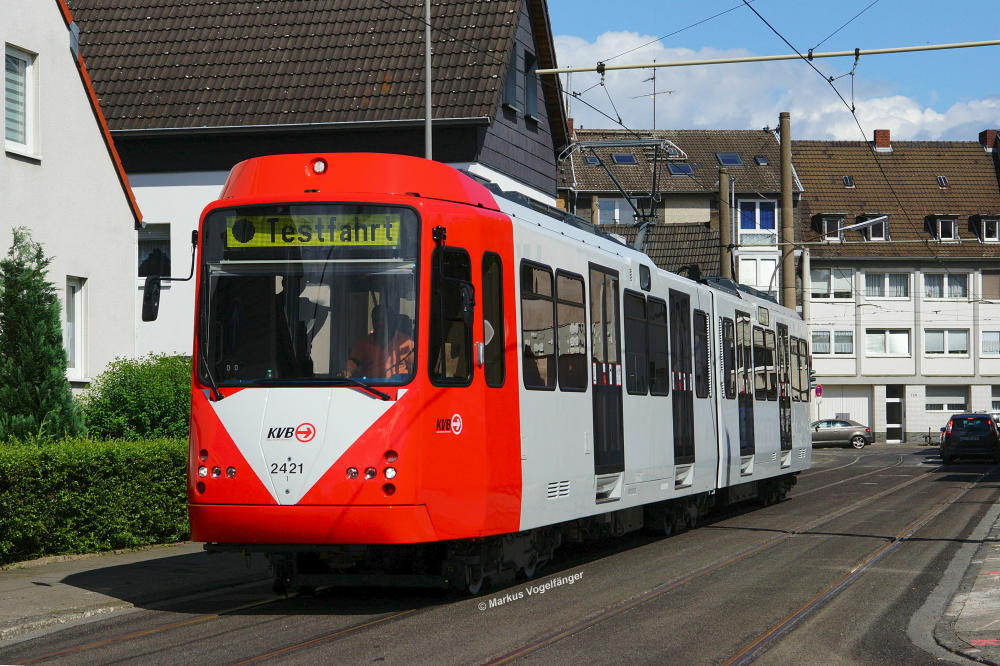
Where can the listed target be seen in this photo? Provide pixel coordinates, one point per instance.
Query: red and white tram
(401, 371)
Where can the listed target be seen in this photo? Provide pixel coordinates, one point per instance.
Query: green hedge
(79, 496)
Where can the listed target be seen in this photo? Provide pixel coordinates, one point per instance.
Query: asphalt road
(842, 572)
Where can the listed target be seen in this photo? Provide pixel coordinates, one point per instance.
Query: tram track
(624, 606)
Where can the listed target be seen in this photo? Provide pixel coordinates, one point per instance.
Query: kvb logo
(304, 432)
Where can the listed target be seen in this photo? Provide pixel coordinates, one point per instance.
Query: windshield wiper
(360, 384)
(208, 375)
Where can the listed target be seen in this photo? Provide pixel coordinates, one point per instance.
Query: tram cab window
(572, 332)
(702, 375)
(450, 349)
(538, 352)
(308, 293)
(636, 367)
(658, 340)
(493, 330)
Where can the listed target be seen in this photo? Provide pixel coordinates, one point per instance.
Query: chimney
(882, 143)
(570, 129)
(988, 139)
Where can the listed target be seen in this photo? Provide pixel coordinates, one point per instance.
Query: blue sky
(933, 95)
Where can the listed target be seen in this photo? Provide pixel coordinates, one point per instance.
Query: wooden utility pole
(787, 221)
(725, 227)
(428, 142)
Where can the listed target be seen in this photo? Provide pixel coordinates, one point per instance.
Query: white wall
(68, 193)
(177, 199)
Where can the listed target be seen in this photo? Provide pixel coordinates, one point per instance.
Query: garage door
(846, 402)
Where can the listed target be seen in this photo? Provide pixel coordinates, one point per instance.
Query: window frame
(554, 383)
(982, 343)
(946, 279)
(530, 86)
(680, 168)
(885, 332)
(885, 286)
(702, 362)
(728, 327)
(946, 343)
(837, 235)
(75, 306)
(498, 332)
(436, 289)
(29, 148)
(729, 159)
(757, 228)
(650, 328)
(627, 159)
(583, 306)
(634, 383)
(995, 238)
(831, 293)
(939, 226)
(510, 82)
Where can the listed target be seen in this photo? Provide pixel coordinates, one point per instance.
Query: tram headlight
(319, 166)
(390, 472)
(231, 472)
(391, 456)
(370, 473)
(203, 455)
(202, 471)
(216, 472)
(389, 489)
(352, 472)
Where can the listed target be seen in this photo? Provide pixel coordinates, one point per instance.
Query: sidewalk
(39, 594)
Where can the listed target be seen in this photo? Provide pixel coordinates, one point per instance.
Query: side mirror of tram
(151, 298)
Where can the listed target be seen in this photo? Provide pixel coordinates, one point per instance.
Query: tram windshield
(309, 293)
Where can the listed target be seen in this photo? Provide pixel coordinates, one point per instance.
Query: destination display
(347, 230)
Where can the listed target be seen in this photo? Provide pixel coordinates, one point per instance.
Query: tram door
(784, 389)
(605, 316)
(681, 355)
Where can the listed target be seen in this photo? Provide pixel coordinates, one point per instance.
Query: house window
(991, 285)
(996, 397)
(680, 168)
(510, 85)
(729, 159)
(832, 283)
(757, 222)
(887, 285)
(946, 229)
(831, 228)
(876, 232)
(592, 160)
(530, 86)
(19, 100)
(946, 341)
(848, 181)
(761, 160)
(623, 158)
(759, 273)
(990, 230)
(887, 342)
(991, 343)
(73, 327)
(616, 211)
(843, 342)
(154, 250)
(946, 398)
(942, 181)
(946, 285)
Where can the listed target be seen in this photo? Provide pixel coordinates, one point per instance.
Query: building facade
(904, 311)
(60, 178)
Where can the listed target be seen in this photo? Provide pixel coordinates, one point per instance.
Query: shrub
(80, 496)
(140, 398)
(35, 398)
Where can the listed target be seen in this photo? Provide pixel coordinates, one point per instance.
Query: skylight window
(729, 159)
(623, 158)
(680, 168)
(592, 160)
(848, 181)
(942, 181)
(761, 160)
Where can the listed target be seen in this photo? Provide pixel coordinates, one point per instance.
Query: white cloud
(748, 96)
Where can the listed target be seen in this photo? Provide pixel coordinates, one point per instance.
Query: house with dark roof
(192, 88)
(61, 178)
(672, 178)
(904, 281)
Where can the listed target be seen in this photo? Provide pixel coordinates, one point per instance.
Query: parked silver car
(830, 432)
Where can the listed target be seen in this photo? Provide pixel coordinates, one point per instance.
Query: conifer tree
(35, 397)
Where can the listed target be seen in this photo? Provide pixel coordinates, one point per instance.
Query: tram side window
(804, 374)
(572, 332)
(538, 353)
(656, 338)
(636, 381)
(796, 369)
(771, 367)
(759, 364)
(702, 376)
(493, 365)
(451, 330)
(729, 357)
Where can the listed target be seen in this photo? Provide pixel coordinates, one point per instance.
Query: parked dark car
(840, 432)
(970, 435)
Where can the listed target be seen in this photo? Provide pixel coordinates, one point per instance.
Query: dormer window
(947, 229)
(831, 228)
(876, 232)
(729, 159)
(623, 158)
(848, 181)
(990, 230)
(942, 181)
